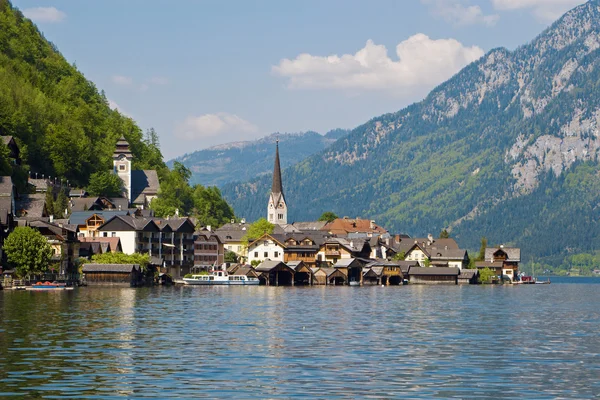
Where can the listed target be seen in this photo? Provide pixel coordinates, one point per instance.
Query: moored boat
(49, 286)
(220, 278)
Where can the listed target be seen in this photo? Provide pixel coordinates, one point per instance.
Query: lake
(526, 341)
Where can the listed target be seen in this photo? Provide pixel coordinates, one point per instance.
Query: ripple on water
(371, 342)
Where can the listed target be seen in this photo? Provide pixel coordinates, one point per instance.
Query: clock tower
(122, 158)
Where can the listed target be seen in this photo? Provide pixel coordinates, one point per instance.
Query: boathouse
(319, 276)
(303, 275)
(275, 273)
(112, 274)
(468, 277)
(433, 275)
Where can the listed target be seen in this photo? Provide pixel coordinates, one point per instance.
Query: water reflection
(259, 342)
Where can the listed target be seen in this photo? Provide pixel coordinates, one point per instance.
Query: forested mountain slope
(63, 125)
(239, 161)
(507, 148)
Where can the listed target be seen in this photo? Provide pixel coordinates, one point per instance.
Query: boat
(220, 278)
(49, 286)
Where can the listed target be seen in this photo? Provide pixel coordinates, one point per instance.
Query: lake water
(530, 341)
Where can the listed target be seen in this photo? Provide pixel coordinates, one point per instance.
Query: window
(105, 234)
(270, 217)
(113, 234)
(266, 254)
(256, 254)
(280, 216)
(276, 254)
(122, 167)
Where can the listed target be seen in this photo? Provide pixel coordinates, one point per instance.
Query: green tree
(481, 255)
(105, 183)
(175, 194)
(328, 216)
(28, 250)
(61, 204)
(231, 257)
(5, 166)
(209, 206)
(49, 199)
(399, 256)
(255, 263)
(444, 234)
(257, 229)
(486, 275)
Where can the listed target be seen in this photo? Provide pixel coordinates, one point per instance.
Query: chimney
(177, 212)
(243, 221)
(430, 237)
(397, 238)
(372, 224)
(208, 228)
(119, 207)
(232, 220)
(51, 218)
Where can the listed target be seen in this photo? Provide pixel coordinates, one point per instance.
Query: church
(277, 208)
(139, 186)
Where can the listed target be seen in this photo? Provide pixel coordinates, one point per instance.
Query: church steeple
(277, 208)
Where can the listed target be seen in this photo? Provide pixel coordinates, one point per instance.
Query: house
(88, 222)
(302, 247)
(334, 249)
(351, 267)
(99, 245)
(319, 276)
(98, 203)
(303, 273)
(7, 212)
(246, 270)
(231, 235)
(266, 248)
(275, 273)
(208, 250)
(335, 276)
(468, 277)
(383, 272)
(112, 275)
(31, 206)
(342, 227)
(13, 149)
(64, 243)
(437, 252)
(433, 275)
(510, 257)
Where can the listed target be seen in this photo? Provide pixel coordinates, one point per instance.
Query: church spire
(277, 208)
(277, 187)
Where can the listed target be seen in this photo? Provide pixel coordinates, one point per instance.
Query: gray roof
(6, 186)
(377, 271)
(468, 273)
(294, 264)
(346, 262)
(40, 184)
(513, 253)
(6, 139)
(447, 254)
(79, 217)
(143, 183)
(33, 204)
(310, 226)
(268, 265)
(437, 271)
(110, 267)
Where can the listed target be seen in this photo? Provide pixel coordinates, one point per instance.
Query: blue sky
(208, 72)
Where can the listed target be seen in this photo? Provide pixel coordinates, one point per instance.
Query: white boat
(220, 278)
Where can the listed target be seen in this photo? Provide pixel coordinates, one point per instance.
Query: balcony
(332, 253)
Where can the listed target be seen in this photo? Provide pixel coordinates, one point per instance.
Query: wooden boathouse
(112, 274)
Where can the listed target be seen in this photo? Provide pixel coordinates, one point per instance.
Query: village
(338, 251)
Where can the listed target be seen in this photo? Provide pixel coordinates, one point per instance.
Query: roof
(468, 273)
(489, 264)
(143, 183)
(377, 271)
(5, 209)
(7, 139)
(232, 232)
(330, 271)
(346, 263)
(447, 254)
(277, 187)
(112, 241)
(80, 217)
(6, 186)
(343, 226)
(245, 270)
(355, 245)
(269, 265)
(310, 226)
(137, 224)
(110, 267)
(433, 271)
(74, 192)
(295, 264)
(34, 205)
(40, 184)
(513, 253)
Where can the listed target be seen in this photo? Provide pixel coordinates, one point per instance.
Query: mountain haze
(239, 161)
(507, 148)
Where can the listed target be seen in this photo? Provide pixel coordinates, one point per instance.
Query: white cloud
(44, 14)
(458, 13)
(422, 63)
(114, 106)
(544, 10)
(122, 80)
(212, 125)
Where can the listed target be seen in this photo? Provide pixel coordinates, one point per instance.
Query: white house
(265, 248)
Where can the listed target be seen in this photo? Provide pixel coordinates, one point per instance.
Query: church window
(122, 167)
(280, 216)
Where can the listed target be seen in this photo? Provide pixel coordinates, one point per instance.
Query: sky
(207, 72)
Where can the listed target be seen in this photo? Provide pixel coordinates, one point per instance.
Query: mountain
(239, 161)
(62, 123)
(507, 148)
